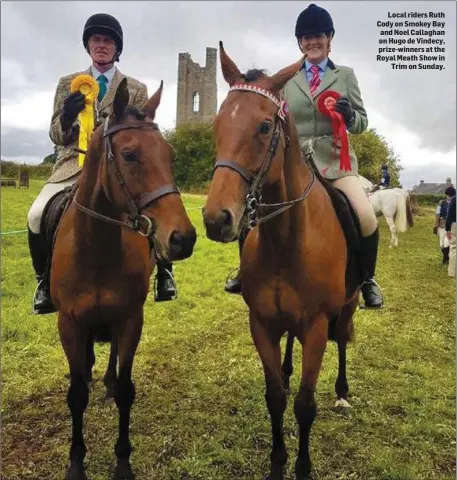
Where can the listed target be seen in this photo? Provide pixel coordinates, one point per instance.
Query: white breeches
(48, 191)
(444, 241)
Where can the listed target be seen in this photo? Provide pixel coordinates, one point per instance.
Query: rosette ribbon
(88, 86)
(326, 106)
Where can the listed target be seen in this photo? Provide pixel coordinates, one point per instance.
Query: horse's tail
(400, 217)
(409, 212)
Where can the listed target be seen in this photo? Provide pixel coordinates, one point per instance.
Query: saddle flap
(347, 216)
(53, 212)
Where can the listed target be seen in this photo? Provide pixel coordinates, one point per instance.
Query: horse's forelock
(253, 75)
(135, 112)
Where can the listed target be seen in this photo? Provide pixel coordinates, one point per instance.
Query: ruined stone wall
(193, 79)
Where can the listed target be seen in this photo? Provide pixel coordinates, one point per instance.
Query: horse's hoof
(123, 471)
(76, 472)
(109, 394)
(277, 473)
(275, 477)
(342, 406)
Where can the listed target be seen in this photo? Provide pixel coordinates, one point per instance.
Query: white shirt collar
(109, 74)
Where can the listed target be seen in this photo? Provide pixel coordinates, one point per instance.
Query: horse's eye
(264, 128)
(129, 157)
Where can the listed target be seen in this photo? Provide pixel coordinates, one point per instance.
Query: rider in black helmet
(103, 40)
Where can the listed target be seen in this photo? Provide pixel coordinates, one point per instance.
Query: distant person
(103, 40)
(385, 179)
(440, 220)
(450, 233)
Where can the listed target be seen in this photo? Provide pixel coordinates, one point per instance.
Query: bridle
(135, 205)
(253, 201)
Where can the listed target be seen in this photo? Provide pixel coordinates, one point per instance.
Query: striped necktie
(315, 79)
(102, 81)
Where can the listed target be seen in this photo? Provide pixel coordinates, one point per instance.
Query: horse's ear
(152, 104)
(121, 100)
(280, 78)
(229, 69)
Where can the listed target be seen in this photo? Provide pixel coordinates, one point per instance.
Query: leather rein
(135, 206)
(253, 201)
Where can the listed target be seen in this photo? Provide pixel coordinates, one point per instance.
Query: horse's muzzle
(220, 226)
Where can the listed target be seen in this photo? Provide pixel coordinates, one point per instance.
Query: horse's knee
(78, 394)
(305, 407)
(276, 400)
(124, 392)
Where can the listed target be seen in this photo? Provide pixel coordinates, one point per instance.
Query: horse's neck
(90, 231)
(296, 175)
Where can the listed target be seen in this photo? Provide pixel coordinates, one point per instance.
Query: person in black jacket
(450, 232)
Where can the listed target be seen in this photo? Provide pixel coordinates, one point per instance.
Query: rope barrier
(23, 231)
(13, 231)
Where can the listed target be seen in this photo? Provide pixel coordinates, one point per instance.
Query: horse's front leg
(287, 365)
(110, 376)
(314, 341)
(74, 343)
(128, 338)
(90, 357)
(268, 347)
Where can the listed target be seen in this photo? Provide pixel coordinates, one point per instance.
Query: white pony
(394, 204)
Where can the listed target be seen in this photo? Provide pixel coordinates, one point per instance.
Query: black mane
(135, 112)
(253, 75)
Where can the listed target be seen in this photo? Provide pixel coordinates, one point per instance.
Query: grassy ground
(200, 411)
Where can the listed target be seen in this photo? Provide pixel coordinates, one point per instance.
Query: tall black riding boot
(370, 289)
(234, 285)
(166, 287)
(42, 302)
(445, 255)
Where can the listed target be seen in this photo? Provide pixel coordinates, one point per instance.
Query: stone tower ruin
(197, 89)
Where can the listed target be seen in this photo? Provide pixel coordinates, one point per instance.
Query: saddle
(350, 224)
(50, 220)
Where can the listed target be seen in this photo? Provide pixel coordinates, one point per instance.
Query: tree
(195, 152)
(372, 151)
(51, 158)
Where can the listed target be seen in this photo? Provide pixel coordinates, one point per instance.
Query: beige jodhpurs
(352, 187)
(47, 192)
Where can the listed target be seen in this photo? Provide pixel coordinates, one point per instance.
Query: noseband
(135, 206)
(253, 202)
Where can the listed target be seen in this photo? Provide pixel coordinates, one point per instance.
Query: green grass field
(200, 410)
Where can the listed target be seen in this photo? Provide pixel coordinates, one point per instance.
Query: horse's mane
(135, 112)
(253, 75)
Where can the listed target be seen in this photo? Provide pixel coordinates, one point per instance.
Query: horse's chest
(294, 295)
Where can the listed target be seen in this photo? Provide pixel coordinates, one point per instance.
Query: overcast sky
(41, 41)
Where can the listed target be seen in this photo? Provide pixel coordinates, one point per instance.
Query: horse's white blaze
(233, 114)
(341, 402)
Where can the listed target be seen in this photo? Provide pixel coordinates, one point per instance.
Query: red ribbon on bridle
(326, 105)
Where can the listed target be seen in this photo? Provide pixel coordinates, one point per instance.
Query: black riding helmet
(384, 167)
(450, 191)
(312, 21)
(104, 24)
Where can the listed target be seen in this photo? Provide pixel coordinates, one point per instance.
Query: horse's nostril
(183, 245)
(226, 218)
(176, 241)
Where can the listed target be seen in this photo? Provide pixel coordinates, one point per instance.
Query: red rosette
(326, 105)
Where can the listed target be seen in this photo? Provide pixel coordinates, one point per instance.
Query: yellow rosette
(88, 86)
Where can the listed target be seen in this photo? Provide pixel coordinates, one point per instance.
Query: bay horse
(293, 282)
(102, 259)
(392, 203)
